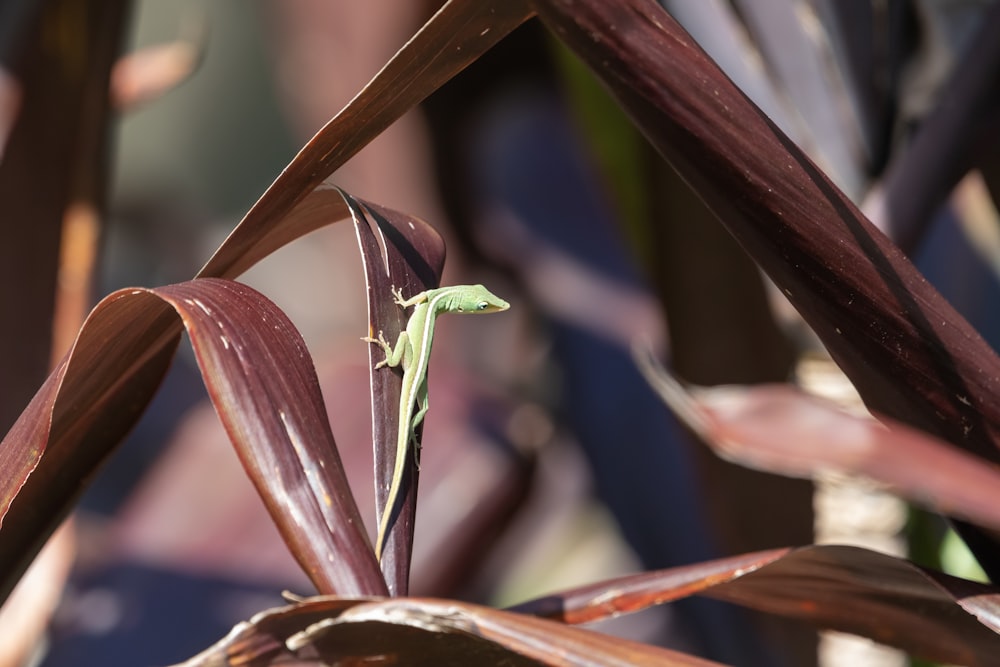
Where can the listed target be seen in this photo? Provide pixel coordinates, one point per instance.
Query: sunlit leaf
(405, 253)
(418, 632)
(911, 356)
(262, 382)
(260, 378)
(457, 35)
(783, 430)
(94, 414)
(850, 589)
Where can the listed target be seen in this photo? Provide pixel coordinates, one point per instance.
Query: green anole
(412, 352)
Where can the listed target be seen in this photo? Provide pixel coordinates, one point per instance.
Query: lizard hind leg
(382, 343)
(393, 355)
(418, 417)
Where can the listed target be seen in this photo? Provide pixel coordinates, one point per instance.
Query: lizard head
(478, 299)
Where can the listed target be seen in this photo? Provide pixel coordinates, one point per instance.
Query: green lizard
(412, 352)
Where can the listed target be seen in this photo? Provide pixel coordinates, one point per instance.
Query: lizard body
(412, 353)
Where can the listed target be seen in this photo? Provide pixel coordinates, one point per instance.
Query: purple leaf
(260, 378)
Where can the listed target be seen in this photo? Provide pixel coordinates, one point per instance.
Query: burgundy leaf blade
(245, 247)
(843, 588)
(78, 416)
(405, 253)
(780, 429)
(887, 599)
(423, 632)
(834, 587)
(261, 379)
(893, 333)
(456, 35)
(636, 592)
(294, 205)
(262, 382)
(910, 354)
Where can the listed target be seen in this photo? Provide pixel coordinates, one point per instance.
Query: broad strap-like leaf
(844, 588)
(422, 632)
(405, 253)
(781, 429)
(260, 377)
(261, 380)
(911, 356)
(850, 589)
(460, 32)
(75, 420)
(88, 404)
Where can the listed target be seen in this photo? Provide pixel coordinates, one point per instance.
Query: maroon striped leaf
(84, 408)
(405, 253)
(84, 413)
(261, 380)
(460, 32)
(910, 354)
(263, 385)
(844, 588)
(850, 589)
(422, 631)
(781, 429)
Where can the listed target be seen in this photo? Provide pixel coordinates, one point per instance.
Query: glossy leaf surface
(405, 253)
(262, 382)
(910, 354)
(843, 588)
(420, 631)
(784, 430)
(458, 33)
(260, 378)
(87, 426)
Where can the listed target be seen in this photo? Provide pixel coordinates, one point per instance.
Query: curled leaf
(422, 632)
(262, 382)
(911, 356)
(844, 588)
(405, 253)
(781, 429)
(452, 39)
(850, 589)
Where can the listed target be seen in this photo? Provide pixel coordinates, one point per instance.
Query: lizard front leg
(393, 355)
(420, 297)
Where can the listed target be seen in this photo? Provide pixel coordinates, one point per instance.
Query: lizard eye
(482, 305)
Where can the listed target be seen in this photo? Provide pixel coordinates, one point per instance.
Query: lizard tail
(383, 532)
